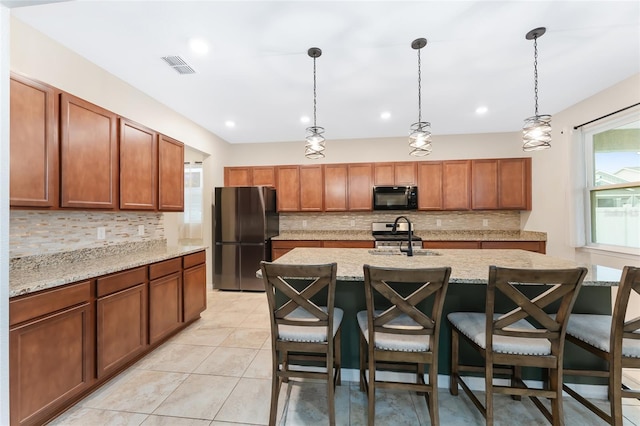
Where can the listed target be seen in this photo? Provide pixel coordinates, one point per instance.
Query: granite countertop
(35, 273)
(466, 235)
(467, 266)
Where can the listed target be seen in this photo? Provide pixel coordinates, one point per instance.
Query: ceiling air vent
(178, 64)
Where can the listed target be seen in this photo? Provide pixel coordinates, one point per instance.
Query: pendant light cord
(535, 69)
(419, 89)
(314, 92)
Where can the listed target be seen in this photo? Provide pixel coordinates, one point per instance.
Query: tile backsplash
(422, 221)
(37, 232)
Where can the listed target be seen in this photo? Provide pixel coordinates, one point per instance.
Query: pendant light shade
(314, 149)
(536, 132)
(420, 132)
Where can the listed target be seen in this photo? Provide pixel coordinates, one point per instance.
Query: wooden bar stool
(613, 339)
(526, 336)
(299, 326)
(398, 335)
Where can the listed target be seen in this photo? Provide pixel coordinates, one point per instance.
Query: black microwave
(395, 197)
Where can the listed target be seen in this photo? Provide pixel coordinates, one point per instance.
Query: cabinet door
(484, 184)
(50, 362)
(263, 176)
(430, 185)
(138, 166)
(33, 144)
(88, 155)
(405, 173)
(311, 188)
(535, 246)
(451, 244)
(121, 328)
(238, 176)
(348, 244)
(360, 187)
(456, 185)
(194, 292)
(515, 183)
(165, 306)
(384, 174)
(170, 174)
(288, 193)
(335, 187)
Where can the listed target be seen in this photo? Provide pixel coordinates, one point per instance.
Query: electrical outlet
(101, 233)
(438, 222)
(485, 222)
(140, 229)
(353, 222)
(304, 223)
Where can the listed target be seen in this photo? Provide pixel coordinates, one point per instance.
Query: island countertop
(467, 266)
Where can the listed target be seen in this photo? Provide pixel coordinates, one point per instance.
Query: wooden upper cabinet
(138, 166)
(430, 185)
(456, 185)
(88, 155)
(238, 176)
(311, 188)
(515, 183)
(405, 173)
(360, 186)
(384, 174)
(263, 176)
(33, 144)
(394, 173)
(335, 187)
(170, 174)
(288, 191)
(484, 184)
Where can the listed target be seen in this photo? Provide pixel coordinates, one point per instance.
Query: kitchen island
(469, 275)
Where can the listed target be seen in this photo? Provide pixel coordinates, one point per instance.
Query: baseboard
(475, 383)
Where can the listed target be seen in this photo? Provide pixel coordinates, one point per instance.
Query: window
(191, 228)
(613, 183)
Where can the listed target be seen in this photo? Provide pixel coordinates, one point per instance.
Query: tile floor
(217, 372)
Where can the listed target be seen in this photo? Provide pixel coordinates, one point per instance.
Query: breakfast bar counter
(469, 275)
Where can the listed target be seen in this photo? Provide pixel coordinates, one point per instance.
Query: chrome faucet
(394, 230)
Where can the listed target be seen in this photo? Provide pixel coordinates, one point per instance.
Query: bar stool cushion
(596, 331)
(473, 325)
(296, 333)
(396, 342)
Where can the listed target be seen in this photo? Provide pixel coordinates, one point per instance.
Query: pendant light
(420, 137)
(314, 149)
(536, 132)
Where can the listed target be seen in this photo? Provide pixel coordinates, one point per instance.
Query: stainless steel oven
(384, 237)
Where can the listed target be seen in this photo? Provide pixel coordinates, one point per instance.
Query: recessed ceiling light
(304, 119)
(198, 46)
(482, 110)
(385, 115)
(230, 123)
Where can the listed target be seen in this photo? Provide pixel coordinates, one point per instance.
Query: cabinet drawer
(451, 244)
(348, 244)
(120, 281)
(49, 301)
(166, 267)
(193, 259)
(295, 243)
(522, 245)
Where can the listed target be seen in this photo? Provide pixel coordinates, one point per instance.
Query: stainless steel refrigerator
(245, 219)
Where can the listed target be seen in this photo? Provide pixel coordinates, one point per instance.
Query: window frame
(615, 121)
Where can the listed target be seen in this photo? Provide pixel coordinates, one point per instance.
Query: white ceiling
(257, 72)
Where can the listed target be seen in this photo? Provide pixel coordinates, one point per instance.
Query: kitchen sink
(396, 252)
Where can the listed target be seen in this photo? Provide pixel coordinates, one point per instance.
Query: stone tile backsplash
(37, 232)
(422, 221)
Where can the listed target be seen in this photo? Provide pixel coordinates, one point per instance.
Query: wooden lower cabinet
(121, 319)
(165, 306)
(281, 247)
(348, 244)
(194, 281)
(51, 354)
(535, 246)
